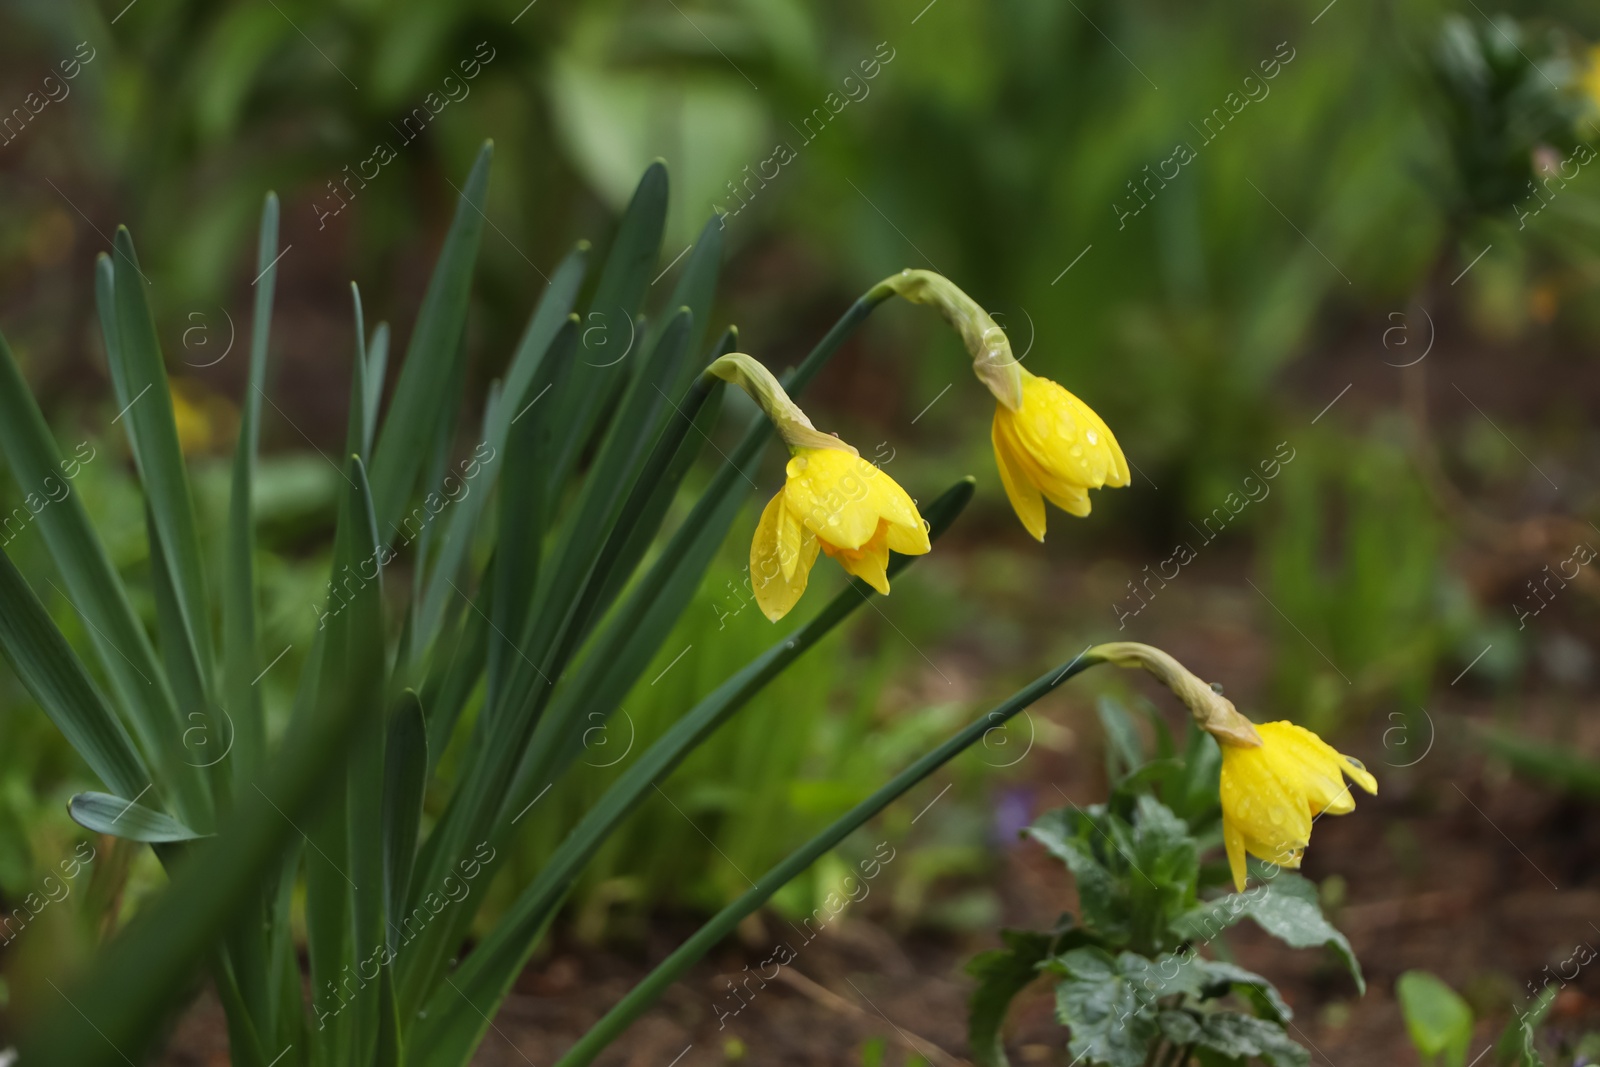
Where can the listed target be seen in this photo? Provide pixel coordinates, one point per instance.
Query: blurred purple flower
(1013, 813)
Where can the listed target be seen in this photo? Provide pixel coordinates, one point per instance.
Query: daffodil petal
(833, 500)
(1233, 842)
(776, 592)
(870, 562)
(1025, 498)
(791, 537)
(909, 540)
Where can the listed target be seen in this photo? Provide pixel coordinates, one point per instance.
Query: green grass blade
(154, 436)
(118, 817)
(53, 674)
(144, 972)
(453, 1023)
(723, 923)
(409, 431)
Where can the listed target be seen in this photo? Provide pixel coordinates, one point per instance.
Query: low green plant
(1131, 983)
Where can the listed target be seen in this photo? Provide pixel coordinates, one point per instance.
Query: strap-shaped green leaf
(241, 656)
(445, 1034)
(377, 367)
(358, 430)
(523, 518)
(404, 778)
(183, 674)
(52, 673)
(106, 814)
(408, 433)
(154, 437)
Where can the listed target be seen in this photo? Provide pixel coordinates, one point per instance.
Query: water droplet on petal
(1092, 437)
(1357, 764)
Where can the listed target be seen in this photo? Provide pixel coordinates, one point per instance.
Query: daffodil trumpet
(1277, 778)
(832, 502)
(1048, 444)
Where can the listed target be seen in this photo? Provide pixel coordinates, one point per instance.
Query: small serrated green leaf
(1226, 976)
(1001, 974)
(1285, 907)
(1238, 1036)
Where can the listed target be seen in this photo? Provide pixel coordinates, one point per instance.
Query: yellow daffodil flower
(1273, 792)
(1277, 778)
(1053, 446)
(1048, 444)
(832, 502)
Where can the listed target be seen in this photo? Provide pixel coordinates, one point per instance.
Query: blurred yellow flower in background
(1273, 792)
(205, 421)
(1591, 76)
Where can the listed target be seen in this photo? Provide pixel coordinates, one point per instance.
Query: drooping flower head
(1048, 444)
(1273, 792)
(1277, 778)
(832, 501)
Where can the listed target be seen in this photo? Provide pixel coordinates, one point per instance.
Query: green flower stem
(620, 1017)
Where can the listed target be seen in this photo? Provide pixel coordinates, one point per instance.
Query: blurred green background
(1361, 262)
